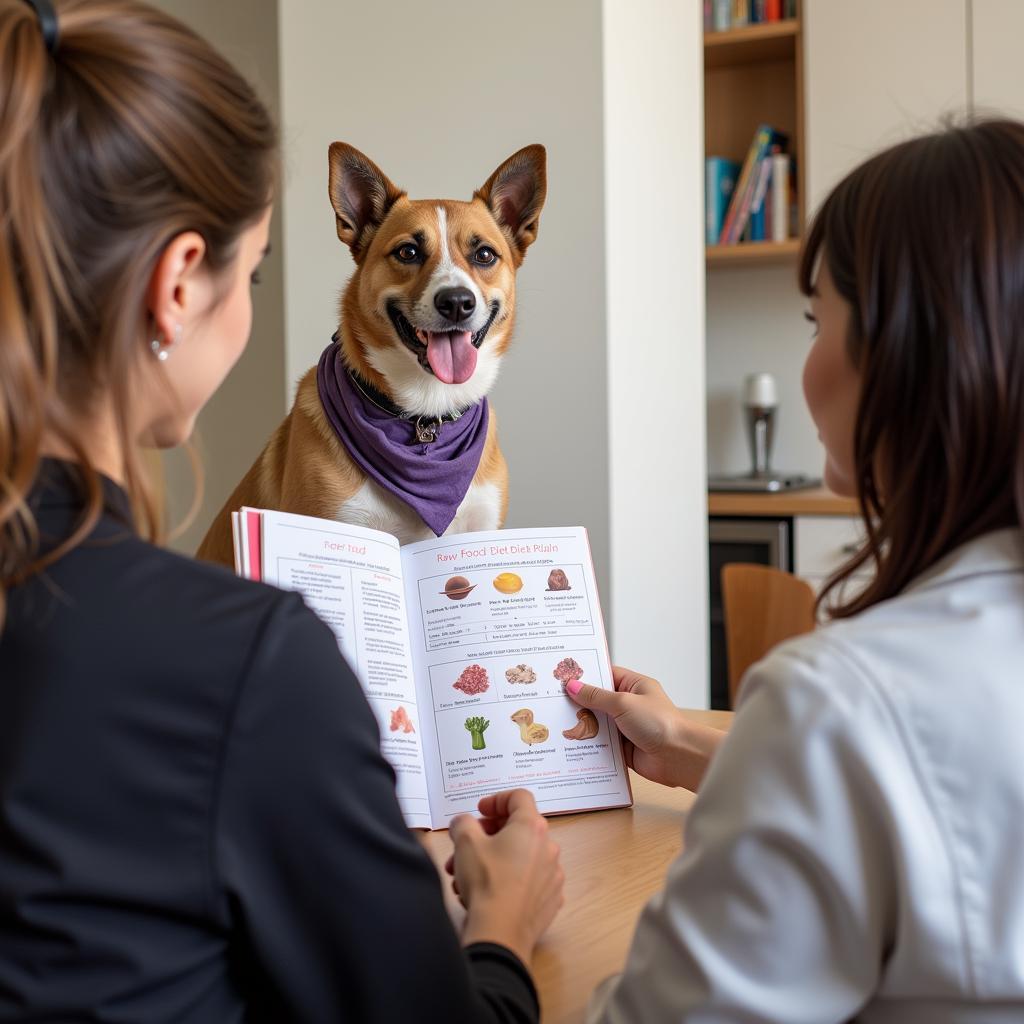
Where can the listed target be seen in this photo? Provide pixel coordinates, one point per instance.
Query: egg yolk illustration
(507, 583)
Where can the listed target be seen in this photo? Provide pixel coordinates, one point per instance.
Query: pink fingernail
(574, 686)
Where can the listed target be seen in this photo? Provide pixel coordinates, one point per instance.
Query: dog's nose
(454, 304)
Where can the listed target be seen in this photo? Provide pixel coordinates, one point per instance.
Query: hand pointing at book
(659, 742)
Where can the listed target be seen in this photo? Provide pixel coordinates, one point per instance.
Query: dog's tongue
(451, 356)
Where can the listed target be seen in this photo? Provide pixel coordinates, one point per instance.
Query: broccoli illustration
(476, 728)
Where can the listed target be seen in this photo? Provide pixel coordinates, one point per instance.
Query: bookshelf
(752, 44)
(746, 253)
(755, 75)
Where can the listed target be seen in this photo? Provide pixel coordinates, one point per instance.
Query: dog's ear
(361, 194)
(515, 194)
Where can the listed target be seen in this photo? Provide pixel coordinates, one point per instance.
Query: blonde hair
(133, 131)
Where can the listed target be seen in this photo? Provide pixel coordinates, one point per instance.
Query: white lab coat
(857, 848)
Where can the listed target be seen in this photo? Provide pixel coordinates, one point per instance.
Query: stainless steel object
(760, 404)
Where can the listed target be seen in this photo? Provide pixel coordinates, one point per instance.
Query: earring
(162, 351)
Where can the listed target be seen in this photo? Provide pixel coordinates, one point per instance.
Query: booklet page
(499, 623)
(352, 578)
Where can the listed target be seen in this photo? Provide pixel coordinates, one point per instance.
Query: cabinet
(821, 544)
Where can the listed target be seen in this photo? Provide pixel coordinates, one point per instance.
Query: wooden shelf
(752, 44)
(749, 253)
(815, 502)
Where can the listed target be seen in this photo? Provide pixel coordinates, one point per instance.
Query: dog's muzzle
(411, 337)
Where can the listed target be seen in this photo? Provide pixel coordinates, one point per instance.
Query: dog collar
(426, 428)
(429, 465)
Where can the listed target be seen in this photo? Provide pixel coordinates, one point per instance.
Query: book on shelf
(779, 203)
(719, 181)
(722, 15)
(738, 213)
(463, 645)
(758, 224)
(762, 11)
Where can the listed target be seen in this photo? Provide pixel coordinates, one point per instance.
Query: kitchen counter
(813, 502)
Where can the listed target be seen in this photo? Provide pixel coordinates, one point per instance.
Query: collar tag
(426, 433)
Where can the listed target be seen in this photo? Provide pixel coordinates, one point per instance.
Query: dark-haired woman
(196, 823)
(856, 850)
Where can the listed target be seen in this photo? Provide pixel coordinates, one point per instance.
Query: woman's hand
(659, 742)
(507, 872)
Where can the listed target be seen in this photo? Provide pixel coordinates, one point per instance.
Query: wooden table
(614, 862)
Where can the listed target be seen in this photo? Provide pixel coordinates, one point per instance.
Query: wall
(874, 78)
(653, 96)
(601, 404)
(236, 423)
(438, 105)
(997, 72)
(871, 79)
(756, 324)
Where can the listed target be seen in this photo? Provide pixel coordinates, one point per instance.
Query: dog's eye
(485, 256)
(407, 253)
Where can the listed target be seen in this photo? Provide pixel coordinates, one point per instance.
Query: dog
(392, 430)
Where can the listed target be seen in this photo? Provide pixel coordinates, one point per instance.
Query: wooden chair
(762, 607)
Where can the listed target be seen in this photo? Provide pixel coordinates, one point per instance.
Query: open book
(463, 645)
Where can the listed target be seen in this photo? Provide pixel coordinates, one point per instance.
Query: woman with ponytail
(196, 823)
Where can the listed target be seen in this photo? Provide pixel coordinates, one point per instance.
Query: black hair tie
(47, 22)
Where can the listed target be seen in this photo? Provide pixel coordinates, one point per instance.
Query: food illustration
(400, 720)
(520, 674)
(530, 731)
(567, 669)
(508, 583)
(585, 729)
(557, 580)
(476, 727)
(458, 588)
(472, 680)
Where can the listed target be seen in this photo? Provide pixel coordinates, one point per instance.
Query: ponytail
(30, 290)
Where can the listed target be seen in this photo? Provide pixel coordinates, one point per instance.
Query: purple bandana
(431, 478)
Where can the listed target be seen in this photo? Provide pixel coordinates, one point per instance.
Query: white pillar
(653, 118)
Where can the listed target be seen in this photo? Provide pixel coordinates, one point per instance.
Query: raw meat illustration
(400, 720)
(508, 583)
(458, 588)
(472, 680)
(520, 674)
(567, 669)
(530, 731)
(557, 580)
(586, 728)
(476, 727)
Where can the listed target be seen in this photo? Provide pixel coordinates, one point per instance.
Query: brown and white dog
(424, 323)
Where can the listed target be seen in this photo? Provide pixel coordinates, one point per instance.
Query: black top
(196, 822)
